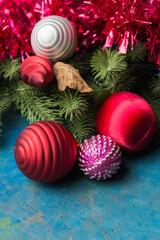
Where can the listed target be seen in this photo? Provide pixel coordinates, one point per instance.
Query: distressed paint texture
(124, 207)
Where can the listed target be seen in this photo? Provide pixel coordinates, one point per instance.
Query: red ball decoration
(45, 151)
(128, 119)
(36, 71)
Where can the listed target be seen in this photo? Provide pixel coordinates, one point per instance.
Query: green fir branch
(34, 103)
(110, 69)
(154, 87)
(5, 102)
(82, 63)
(138, 54)
(72, 104)
(82, 128)
(154, 101)
(125, 82)
(151, 92)
(155, 104)
(108, 65)
(92, 82)
(10, 69)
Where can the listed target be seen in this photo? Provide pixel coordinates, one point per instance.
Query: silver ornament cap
(54, 37)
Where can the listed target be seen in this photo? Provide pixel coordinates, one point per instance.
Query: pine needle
(110, 69)
(81, 63)
(152, 100)
(72, 104)
(138, 54)
(82, 128)
(107, 65)
(5, 102)
(154, 87)
(34, 103)
(10, 69)
(155, 103)
(125, 82)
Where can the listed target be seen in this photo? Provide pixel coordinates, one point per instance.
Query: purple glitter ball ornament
(99, 157)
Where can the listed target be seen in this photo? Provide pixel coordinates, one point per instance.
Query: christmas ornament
(68, 76)
(128, 119)
(36, 71)
(45, 151)
(54, 37)
(95, 21)
(99, 157)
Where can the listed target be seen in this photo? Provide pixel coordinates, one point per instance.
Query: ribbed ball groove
(54, 37)
(36, 71)
(45, 151)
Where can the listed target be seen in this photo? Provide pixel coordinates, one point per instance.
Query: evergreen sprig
(153, 100)
(155, 103)
(34, 103)
(75, 110)
(81, 63)
(5, 102)
(125, 82)
(138, 54)
(10, 69)
(110, 69)
(108, 65)
(82, 128)
(72, 104)
(154, 87)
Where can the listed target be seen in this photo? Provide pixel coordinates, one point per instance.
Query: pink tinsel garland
(96, 21)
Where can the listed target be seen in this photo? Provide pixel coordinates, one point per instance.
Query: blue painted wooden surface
(125, 207)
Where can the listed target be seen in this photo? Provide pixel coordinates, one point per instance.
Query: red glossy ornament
(128, 119)
(45, 151)
(36, 71)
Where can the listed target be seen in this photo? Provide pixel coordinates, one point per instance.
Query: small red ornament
(128, 119)
(45, 151)
(36, 71)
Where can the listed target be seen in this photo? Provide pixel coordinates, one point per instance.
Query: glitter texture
(99, 157)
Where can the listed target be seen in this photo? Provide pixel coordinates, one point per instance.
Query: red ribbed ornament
(128, 119)
(45, 151)
(36, 71)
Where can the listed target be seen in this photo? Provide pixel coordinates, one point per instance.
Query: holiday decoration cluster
(96, 22)
(90, 87)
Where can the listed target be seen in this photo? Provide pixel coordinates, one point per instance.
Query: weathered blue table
(124, 207)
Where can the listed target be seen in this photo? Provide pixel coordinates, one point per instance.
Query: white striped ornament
(54, 38)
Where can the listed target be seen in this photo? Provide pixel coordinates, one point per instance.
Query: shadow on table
(77, 175)
(121, 173)
(141, 155)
